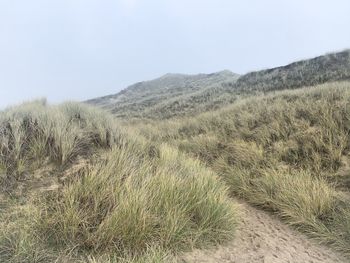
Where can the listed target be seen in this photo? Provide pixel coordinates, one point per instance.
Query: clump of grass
(34, 132)
(297, 196)
(21, 242)
(130, 202)
(209, 149)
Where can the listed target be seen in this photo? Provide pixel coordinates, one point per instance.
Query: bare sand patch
(261, 238)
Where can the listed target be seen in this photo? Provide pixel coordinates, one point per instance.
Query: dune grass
(286, 152)
(140, 197)
(33, 133)
(131, 201)
(130, 207)
(175, 95)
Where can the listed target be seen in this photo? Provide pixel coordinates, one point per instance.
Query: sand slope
(263, 238)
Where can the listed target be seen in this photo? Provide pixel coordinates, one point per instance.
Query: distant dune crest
(180, 94)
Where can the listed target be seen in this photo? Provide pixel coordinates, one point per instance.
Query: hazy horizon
(77, 50)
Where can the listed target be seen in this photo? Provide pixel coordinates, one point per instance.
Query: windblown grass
(128, 203)
(131, 202)
(286, 152)
(34, 133)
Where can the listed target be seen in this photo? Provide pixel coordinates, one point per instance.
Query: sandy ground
(261, 238)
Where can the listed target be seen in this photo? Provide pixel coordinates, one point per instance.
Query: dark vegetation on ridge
(182, 95)
(331, 67)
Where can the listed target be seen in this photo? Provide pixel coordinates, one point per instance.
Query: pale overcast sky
(80, 49)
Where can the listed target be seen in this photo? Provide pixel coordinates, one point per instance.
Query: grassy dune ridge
(286, 152)
(130, 201)
(176, 95)
(169, 94)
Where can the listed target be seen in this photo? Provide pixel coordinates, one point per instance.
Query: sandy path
(262, 238)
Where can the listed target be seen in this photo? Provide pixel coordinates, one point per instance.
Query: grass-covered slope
(114, 198)
(150, 95)
(327, 68)
(288, 153)
(178, 95)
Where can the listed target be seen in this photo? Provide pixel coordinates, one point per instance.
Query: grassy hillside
(310, 72)
(149, 95)
(327, 68)
(180, 95)
(278, 139)
(79, 185)
(288, 153)
(75, 188)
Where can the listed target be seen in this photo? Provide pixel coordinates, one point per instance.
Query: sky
(81, 49)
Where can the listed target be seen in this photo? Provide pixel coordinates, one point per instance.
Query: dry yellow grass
(131, 201)
(282, 152)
